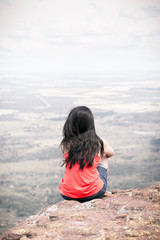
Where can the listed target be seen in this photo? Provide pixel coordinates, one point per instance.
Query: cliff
(122, 214)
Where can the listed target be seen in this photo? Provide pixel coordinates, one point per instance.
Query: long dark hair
(80, 139)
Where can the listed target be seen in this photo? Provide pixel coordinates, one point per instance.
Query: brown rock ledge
(122, 214)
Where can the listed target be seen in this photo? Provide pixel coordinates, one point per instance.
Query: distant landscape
(33, 110)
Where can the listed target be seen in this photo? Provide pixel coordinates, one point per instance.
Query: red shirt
(79, 184)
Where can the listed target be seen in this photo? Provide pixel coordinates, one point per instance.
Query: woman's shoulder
(66, 156)
(64, 150)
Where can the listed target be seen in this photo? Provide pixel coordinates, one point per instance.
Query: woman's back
(78, 183)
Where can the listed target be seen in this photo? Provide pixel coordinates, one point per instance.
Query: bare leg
(105, 162)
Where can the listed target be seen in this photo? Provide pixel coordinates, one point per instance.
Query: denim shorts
(103, 175)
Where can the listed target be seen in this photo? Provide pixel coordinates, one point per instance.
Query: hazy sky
(79, 35)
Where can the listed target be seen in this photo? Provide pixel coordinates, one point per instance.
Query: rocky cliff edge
(122, 214)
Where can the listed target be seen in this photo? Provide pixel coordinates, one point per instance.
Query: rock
(123, 214)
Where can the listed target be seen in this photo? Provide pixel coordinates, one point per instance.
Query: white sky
(79, 35)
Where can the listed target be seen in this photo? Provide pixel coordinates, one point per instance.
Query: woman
(86, 158)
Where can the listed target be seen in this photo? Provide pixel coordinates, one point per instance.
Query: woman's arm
(108, 150)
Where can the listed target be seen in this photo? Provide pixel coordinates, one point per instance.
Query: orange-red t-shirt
(79, 184)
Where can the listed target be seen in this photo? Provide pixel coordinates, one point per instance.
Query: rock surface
(122, 214)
